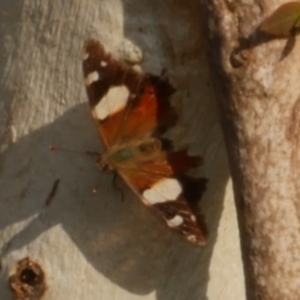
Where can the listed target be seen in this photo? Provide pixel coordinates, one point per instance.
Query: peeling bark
(257, 88)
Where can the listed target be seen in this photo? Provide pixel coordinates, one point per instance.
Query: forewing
(127, 105)
(161, 185)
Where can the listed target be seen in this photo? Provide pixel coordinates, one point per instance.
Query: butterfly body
(132, 111)
(135, 153)
(129, 156)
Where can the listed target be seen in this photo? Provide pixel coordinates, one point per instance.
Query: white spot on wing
(85, 55)
(176, 221)
(103, 63)
(13, 131)
(114, 100)
(92, 77)
(193, 218)
(192, 238)
(137, 68)
(167, 189)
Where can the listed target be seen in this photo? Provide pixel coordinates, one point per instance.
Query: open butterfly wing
(131, 107)
(161, 185)
(127, 104)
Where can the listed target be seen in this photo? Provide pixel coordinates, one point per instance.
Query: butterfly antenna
(90, 153)
(115, 178)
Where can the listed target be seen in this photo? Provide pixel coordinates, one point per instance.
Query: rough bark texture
(94, 246)
(257, 87)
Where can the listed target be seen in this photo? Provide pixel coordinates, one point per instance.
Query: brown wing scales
(147, 174)
(148, 109)
(129, 127)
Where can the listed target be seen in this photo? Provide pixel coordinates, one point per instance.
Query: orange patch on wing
(143, 115)
(164, 165)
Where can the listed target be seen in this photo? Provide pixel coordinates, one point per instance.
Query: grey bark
(94, 246)
(257, 88)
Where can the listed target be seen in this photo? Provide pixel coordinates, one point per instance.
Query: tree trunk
(94, 246)
(257, 88)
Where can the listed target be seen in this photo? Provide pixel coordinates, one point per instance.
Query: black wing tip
(92, 43)
(193, 187)
(193, 227)
(92, 47)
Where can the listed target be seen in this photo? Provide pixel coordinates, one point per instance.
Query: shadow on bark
(114, 236)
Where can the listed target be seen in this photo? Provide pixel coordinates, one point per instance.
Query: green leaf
(284, 22)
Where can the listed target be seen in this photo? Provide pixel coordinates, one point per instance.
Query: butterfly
(132, 110)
